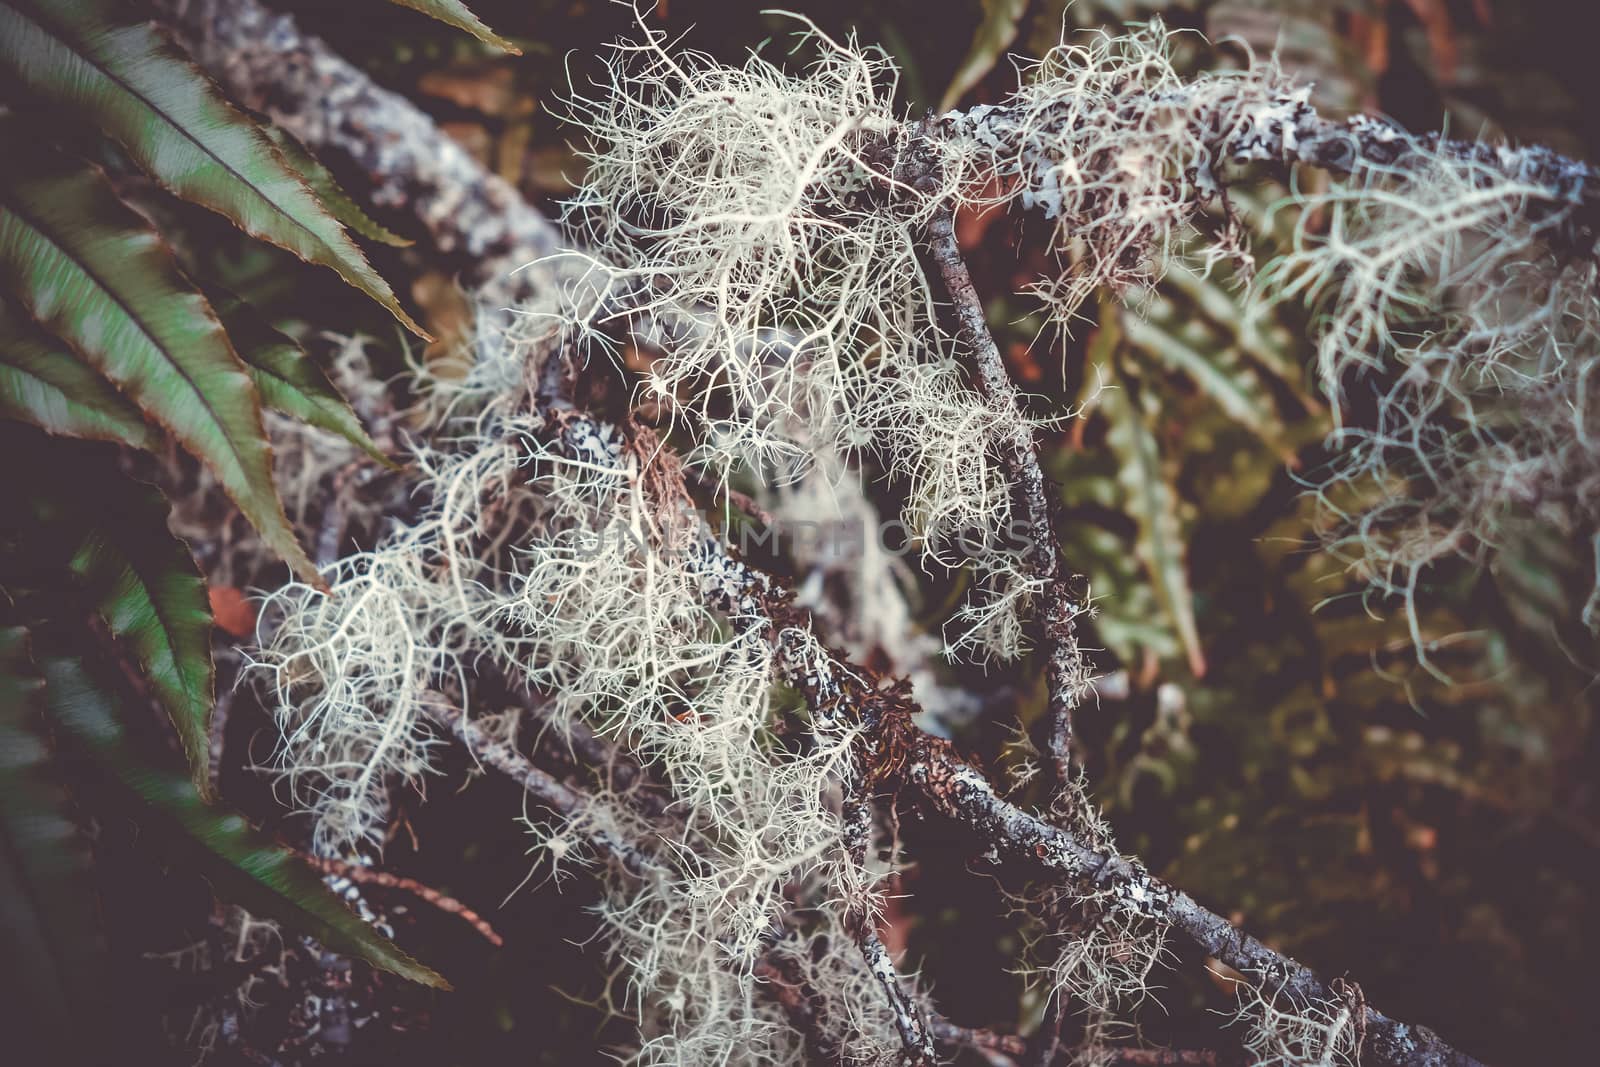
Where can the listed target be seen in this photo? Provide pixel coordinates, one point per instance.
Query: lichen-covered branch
(537, 783)
(1282, 127)
(1065, 672)
(622, 774)
(954, 788)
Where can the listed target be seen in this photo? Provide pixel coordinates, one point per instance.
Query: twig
(916, 1036)
(1019, 454)
(546, 789)
(335, 515)
(1049, 1036)
(575, 742)
(956, 789)
(953, 1037)
(364, 875)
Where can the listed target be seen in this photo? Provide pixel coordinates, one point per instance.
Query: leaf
(289, 380)
(83, 538)
(1001, 19)
(1151, 498)
(43, 383)
(50, 932)
(456, 14)
(1218, 372)
(1271, 350)
(95, 60)
(92, 272)
(145, 585)
(244, 865)
(322, 182)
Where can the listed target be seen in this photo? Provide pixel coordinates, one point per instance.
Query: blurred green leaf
(1001, 20)
(1217, 372)
(244, 865)
(1150, 495)
(144, 584)
(83, 538)
(50, 932)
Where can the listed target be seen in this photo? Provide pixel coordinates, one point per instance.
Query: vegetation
(874, 584)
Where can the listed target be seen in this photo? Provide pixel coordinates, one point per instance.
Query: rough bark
(1019, 453)
(481, 225)
(1288, 130)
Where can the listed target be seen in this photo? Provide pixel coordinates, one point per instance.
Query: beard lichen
(772, 222)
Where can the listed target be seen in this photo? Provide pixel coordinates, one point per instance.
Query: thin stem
(363, 875)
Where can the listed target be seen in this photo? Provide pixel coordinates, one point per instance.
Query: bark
(476, 219)
(1064, 669)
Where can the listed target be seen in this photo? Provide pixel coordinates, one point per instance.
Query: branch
(578, 744)
(953, 1037)
(1287, 130)
(472, 215)
(953, 787)
(959, 791)
(1020, 455)
(541, 786)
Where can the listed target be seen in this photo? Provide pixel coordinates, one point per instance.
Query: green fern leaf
(92, 272)
(1150, 496)
(51, 940)
(43, 383)
(93, 59)
(145, 585)
(456, 14)
(243, 865)
(322, 182)
(82, 539)
(289, 380)
(1217, 371)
